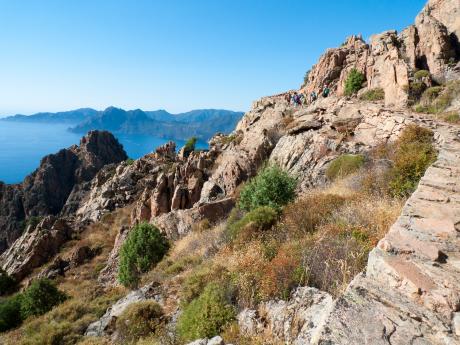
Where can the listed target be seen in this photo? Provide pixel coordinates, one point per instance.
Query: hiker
(301, 99)
(326, 91)
(297, 99)
(313, 96)
(287, 98)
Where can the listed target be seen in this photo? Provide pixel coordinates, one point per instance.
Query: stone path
(410, 292)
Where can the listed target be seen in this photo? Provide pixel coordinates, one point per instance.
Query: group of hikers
(298, 99)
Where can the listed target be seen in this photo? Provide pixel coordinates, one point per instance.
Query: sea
(23, 144)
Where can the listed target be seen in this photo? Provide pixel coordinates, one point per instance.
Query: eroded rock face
(47, 189)
(290, 322)
(35, 246)
(390, 60)
(106, 324)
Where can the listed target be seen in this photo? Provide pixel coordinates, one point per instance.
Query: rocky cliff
(390, 59)
(47, 189)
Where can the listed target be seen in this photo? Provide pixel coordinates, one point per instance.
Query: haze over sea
(22, 145)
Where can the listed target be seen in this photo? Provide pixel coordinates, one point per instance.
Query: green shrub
(344, 165)
(139, 320)
(271, 187)
(354, 82)
(10, 313)
(190, 145)
(432, 92)
(201, 276)
(129, 161)
(421, 74)
(207, 315)
(7, 283)
(376, 94)
(415, 90)
(259, 219)
(144, 247)
(414, 152)
(40, 297)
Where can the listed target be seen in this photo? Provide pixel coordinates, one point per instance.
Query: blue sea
(23, 144)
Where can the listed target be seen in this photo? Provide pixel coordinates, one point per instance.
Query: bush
(190, 145)
(305, 214)
(40, 297)
(415, 90)
(335, 257)
(129, 161)
(421, 74)
(139, 320)
(354, 82)
(197, 280)
(282, 274)
(414, 152)
(7, 283)
(259, 219)
(10, 313)
(376, 94)
(144, 247)
(271, 187)
(344, 165)
(207, 315)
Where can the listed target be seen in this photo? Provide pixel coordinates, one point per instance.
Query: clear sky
(172, 54)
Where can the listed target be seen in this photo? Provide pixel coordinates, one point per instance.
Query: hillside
(332, 220)
(201, 123)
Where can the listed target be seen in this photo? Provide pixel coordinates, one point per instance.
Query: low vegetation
(344, 165)
(437, 99)
(354, 82)
(40, 297)
(373, 95)
(419, 75)
(207, 315)
(139, 320)
(144, 247)
(411, 154)
(272, 187)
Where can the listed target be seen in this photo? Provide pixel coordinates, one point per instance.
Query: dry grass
(88, 301)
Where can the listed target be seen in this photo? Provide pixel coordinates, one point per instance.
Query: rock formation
(47, 189)
(389, 60)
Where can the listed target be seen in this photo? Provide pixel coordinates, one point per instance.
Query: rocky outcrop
(47, 189)
(389, 60)
(217, 340)
(106, 324)
(290, 322)
(35, 247)
(347, 127)
(410, 292)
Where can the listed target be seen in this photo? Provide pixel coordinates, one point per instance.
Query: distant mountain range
(202, 123)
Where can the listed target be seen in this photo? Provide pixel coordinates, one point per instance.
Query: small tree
(144, 247)
(40, 297)
(190, 145)
(271, 187)
(354, 82)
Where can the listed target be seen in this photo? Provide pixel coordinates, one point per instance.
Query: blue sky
(177, 54)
